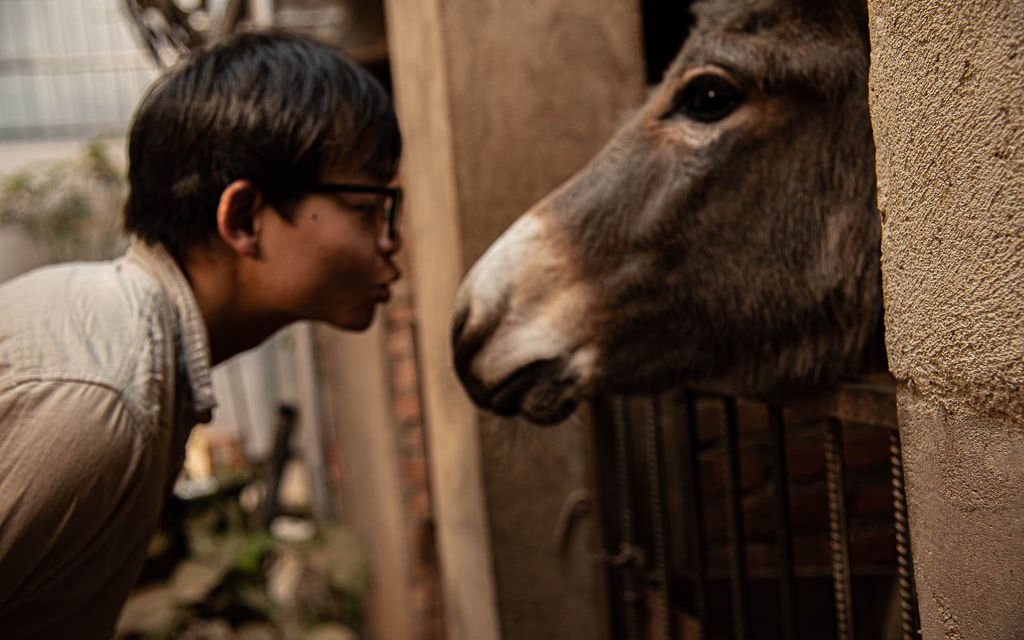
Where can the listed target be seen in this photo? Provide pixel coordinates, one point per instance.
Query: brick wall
(415, 469)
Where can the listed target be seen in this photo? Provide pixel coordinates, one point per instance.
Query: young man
(259, 173)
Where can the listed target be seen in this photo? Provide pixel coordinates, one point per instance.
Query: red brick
(403, 376)
(401, 312)
(751, 417)
(418, 504)
(399, 341)
(414, 469)
(407, 407)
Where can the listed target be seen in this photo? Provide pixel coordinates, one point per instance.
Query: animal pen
(730, 517)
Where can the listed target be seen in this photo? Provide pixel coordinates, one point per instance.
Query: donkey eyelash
(706, 98)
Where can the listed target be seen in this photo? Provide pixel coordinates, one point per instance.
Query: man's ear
(237, 219)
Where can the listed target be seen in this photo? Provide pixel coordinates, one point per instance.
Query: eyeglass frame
(391, 214)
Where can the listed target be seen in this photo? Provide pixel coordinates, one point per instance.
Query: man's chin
(357, 323)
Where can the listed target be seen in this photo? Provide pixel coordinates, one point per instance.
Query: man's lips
(383, 293)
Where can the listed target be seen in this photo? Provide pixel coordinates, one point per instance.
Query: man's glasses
(390, 206)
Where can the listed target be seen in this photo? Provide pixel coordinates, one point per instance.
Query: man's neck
(234, 322)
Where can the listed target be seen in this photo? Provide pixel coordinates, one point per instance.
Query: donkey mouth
(542, 391)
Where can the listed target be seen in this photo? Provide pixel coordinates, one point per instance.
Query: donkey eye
(707, 98)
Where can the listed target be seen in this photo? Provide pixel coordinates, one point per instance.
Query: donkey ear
(237, 220)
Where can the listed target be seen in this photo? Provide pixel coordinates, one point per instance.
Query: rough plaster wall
(965, 483)
(947, 107)
(947, 99)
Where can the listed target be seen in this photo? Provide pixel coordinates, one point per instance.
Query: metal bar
(695, 502)
(909, 621)
(122, 106)
(36, 17)
(607, 499)
(73, 104)
(654, 452)
(784, 537)
(90, 95)
(279, 454)
(734, 523)
(838, 539)
(627, 556)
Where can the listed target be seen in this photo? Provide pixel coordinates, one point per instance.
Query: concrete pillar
(947, 106)
(499, 103)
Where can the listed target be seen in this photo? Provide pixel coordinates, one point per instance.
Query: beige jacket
(104, 369)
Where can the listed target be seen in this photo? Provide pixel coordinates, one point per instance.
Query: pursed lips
(383, 291)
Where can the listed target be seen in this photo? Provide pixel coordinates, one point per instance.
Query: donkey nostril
(470, 333)
(465, 346)
(459, 324)
(507, 398)
(468, 339)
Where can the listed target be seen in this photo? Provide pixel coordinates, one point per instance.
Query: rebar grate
(727, 517)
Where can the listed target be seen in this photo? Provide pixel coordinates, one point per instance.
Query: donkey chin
(545, 390)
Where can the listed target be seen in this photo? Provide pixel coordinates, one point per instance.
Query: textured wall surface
(947, 102)
(947, 106)
(965, 483)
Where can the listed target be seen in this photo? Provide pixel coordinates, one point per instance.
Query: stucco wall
(947, 102)
(947, 107)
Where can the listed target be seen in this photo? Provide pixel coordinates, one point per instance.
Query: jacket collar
(194, 343)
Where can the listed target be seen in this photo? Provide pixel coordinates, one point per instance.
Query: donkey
(728, 232)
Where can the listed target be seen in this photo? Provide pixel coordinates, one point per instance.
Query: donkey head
(728, 230)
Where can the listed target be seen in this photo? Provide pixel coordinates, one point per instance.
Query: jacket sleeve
(78, 502)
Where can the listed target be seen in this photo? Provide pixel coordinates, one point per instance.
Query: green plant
(71, 210)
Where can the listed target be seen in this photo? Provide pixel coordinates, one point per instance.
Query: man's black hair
(276, 109)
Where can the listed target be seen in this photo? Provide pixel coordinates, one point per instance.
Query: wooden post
(499, 103)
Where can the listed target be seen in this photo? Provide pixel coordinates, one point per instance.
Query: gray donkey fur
(745, 247)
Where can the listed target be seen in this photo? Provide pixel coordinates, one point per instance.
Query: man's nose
(389, 243)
